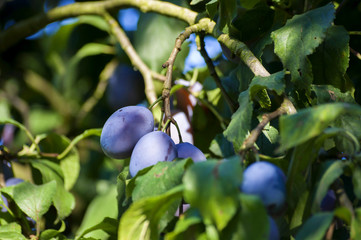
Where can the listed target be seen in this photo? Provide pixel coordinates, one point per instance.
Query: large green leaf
(274, 82)
(308, 123)
(102, 207)
(162, 177)
(240, 124)
(330, 61)
(33, 200)
(329, 93)
(141, 219)
(70, 165)
(330, 171)
(251, 222)
(356, 224)
(227, 11)
(213, 188)
(315, 227)
(299, 38)
(64, 201)
(155, 38)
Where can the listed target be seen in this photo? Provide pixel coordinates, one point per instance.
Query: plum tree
(186, 150)
(152, 148)
(123, 129)
(125, 87)
(268, 182)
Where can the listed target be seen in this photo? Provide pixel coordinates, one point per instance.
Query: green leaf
(227, 11)
(194, 2)
(328, 93)
(64, 201)
(253, 23)
(50, 234)
(356, 180)
(190, 218)
(330, 61)
(33, 200)
(162, 177)
(12, 236)
(330, 171)
(240, 124)
(212, 8)
(108, 225)
(103, 206)
(70, 165)
(213, 188)
(308, 123)
(356, 224)
(11, 227)
(251, 222)
(315, 227)
(41, 120)
(91, 49)
(249, 3)
(155, 38)
(141, 220)
(221, 147)
(274, 82)
(299, 38)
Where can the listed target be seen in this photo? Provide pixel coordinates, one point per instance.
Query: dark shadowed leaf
(315, 227)
(299, 38)
(240, 124)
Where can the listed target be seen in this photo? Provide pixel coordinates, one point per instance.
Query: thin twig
(342, 197)
(266, 118)
(354, 32)
(169, 65)
(356, 53)
(99, 91)
(212, 71)
(329, 233)
(133, 56)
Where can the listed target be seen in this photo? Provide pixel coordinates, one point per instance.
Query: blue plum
(125, 87)
(152, 148)
(274, 233)
(268, 182)
(329, 201)
(186, 150)
(8, 183)
(123, 129)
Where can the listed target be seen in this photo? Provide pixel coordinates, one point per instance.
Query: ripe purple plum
(123, 129)
(329, 201)
(126, 87)
(274, 233)
(152, 148)
(268, 182)
(186, 150)
(8, 183)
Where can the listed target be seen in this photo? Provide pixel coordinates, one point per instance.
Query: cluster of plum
(129, 132)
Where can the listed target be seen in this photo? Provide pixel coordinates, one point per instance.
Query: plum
(152, 148)
(123, 129)
(8, 183)
(274, 233)
(125, 87)
(329, 201)
(268, 182)
(186, 150)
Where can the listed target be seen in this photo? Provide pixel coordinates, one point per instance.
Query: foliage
(283, 86)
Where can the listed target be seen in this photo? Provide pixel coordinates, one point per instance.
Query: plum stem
(155, 102)
(178, 129)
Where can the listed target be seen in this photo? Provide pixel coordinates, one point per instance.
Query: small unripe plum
(274, 233)
(125, 87)
(329, 201)
(187, 150)
(123, 129)
(152, 148)
(268, 182)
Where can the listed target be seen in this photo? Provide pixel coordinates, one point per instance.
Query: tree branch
(125, 43)
(212, 71)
